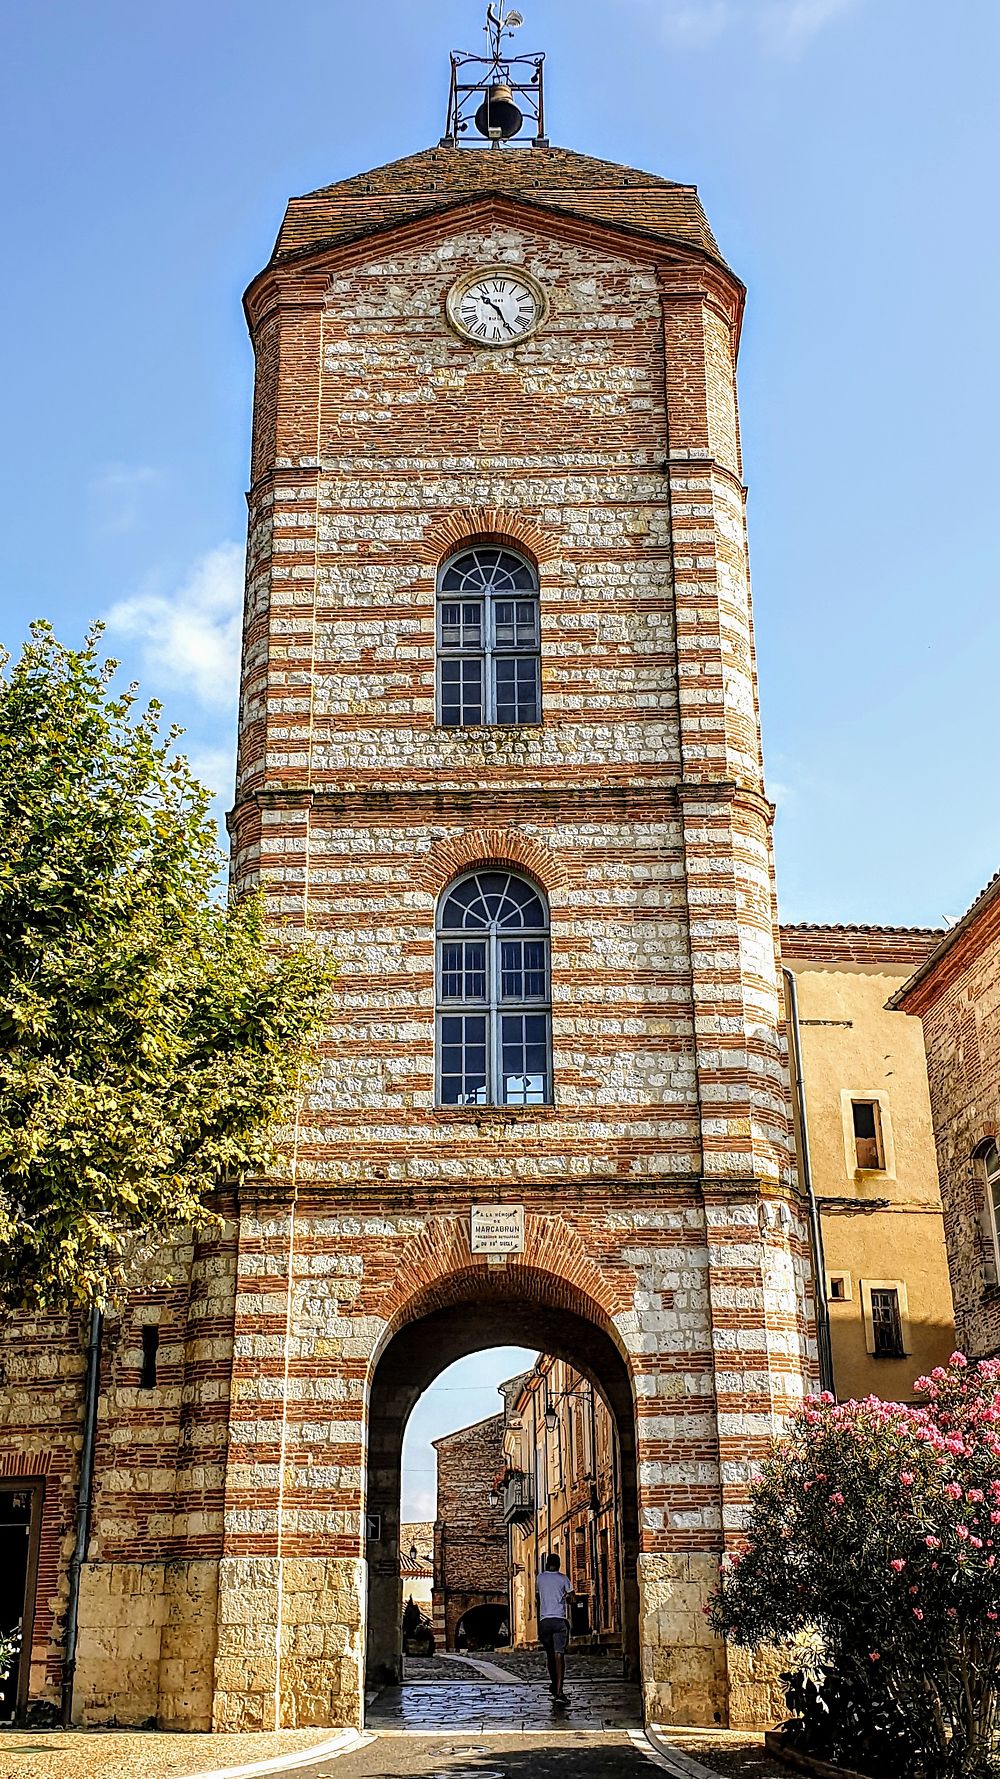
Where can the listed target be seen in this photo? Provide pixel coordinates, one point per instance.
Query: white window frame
(867, 1286)
(877, 1097)
(492, 1006)
(489, 651)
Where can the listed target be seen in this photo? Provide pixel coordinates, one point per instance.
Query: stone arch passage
(507, 1305)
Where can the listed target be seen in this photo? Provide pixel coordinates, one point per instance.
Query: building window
(867, 1134)
(886, 1318)
(887, 1327)
(493, 1014)
(489, 669)
(838, 1287)
(987, 1163)
(150, 1348)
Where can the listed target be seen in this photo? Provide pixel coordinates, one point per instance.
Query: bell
(498, 116)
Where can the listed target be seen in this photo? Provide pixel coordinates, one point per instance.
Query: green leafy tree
(151, 1038)
(874, 1531)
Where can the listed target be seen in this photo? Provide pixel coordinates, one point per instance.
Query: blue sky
(847, 155)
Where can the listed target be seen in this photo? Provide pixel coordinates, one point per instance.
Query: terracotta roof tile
(436, 178)
(819, 942)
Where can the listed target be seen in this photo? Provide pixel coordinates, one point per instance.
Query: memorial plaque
(498, 1229)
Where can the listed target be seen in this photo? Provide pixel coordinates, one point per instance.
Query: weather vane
(493, 80)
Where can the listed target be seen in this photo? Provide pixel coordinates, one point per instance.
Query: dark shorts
(553, 1635)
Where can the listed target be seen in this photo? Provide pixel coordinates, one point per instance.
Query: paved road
(507, 1704)
(577, 1755)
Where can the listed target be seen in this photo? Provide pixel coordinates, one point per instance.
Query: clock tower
(499, 750)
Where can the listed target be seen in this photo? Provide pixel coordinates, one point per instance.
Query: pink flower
(974, 1495)
(959, 1361)
(954, 1490)
(906, 1477)
(873, 1655)
(932, 1543)
(837, 1499)
(897, 1563)
(962, 1531)
(917, 1612)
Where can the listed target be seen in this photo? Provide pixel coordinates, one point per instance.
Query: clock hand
(498, 311)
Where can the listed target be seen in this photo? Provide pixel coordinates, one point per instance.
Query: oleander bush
(873, 1537)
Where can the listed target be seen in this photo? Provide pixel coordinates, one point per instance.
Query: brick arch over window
(485, 848)
(492, 525)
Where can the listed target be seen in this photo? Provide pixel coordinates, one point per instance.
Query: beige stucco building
(871, 1146)
(562, 1494)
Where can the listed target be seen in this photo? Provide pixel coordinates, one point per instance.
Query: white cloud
(788, 25)
(695, 22)
(117, 493)
(214, 767)
(419, 1504)
(785, 26)
(190, 640)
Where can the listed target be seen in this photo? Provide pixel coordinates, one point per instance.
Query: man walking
(552, 1592)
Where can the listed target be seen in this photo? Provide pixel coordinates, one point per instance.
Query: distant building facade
(873, 1157)
(955, 991)
(416, 1563)
(561, 1492)
(470, 1546)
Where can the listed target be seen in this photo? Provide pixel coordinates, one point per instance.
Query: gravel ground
(139, 1754)
(735, 1754)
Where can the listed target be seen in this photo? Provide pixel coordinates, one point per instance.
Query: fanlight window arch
(493, 997)
(489, 667)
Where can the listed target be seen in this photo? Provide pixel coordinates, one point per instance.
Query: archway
(469, 1312)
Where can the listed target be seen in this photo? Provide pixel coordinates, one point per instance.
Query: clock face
(496, 307)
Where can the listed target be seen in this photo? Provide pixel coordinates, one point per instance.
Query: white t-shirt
(552, 1586)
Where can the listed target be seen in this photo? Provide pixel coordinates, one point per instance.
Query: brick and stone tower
(499, 749)
(483, 374)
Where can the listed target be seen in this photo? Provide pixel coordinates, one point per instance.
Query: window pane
(463, 970)
(527, 623)
(522, 970)
(461, 624)
(463, 1059)
(887, 1329)
(517, 689)
(524, 1058)
(866, 1134)
(515, 623)
(461, 692)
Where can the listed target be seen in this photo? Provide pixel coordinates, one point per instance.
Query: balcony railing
(518, 1499)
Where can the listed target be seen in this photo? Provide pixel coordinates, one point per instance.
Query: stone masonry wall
(607, 449)
(470, 1540)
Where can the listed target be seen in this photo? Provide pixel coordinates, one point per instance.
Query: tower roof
(437, 178)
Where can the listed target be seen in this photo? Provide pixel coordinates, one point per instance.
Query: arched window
(488, 639)
(493, 1014)
(987, 1165)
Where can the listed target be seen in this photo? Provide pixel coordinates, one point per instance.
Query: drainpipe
(84, 1502)
(823, 1342)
